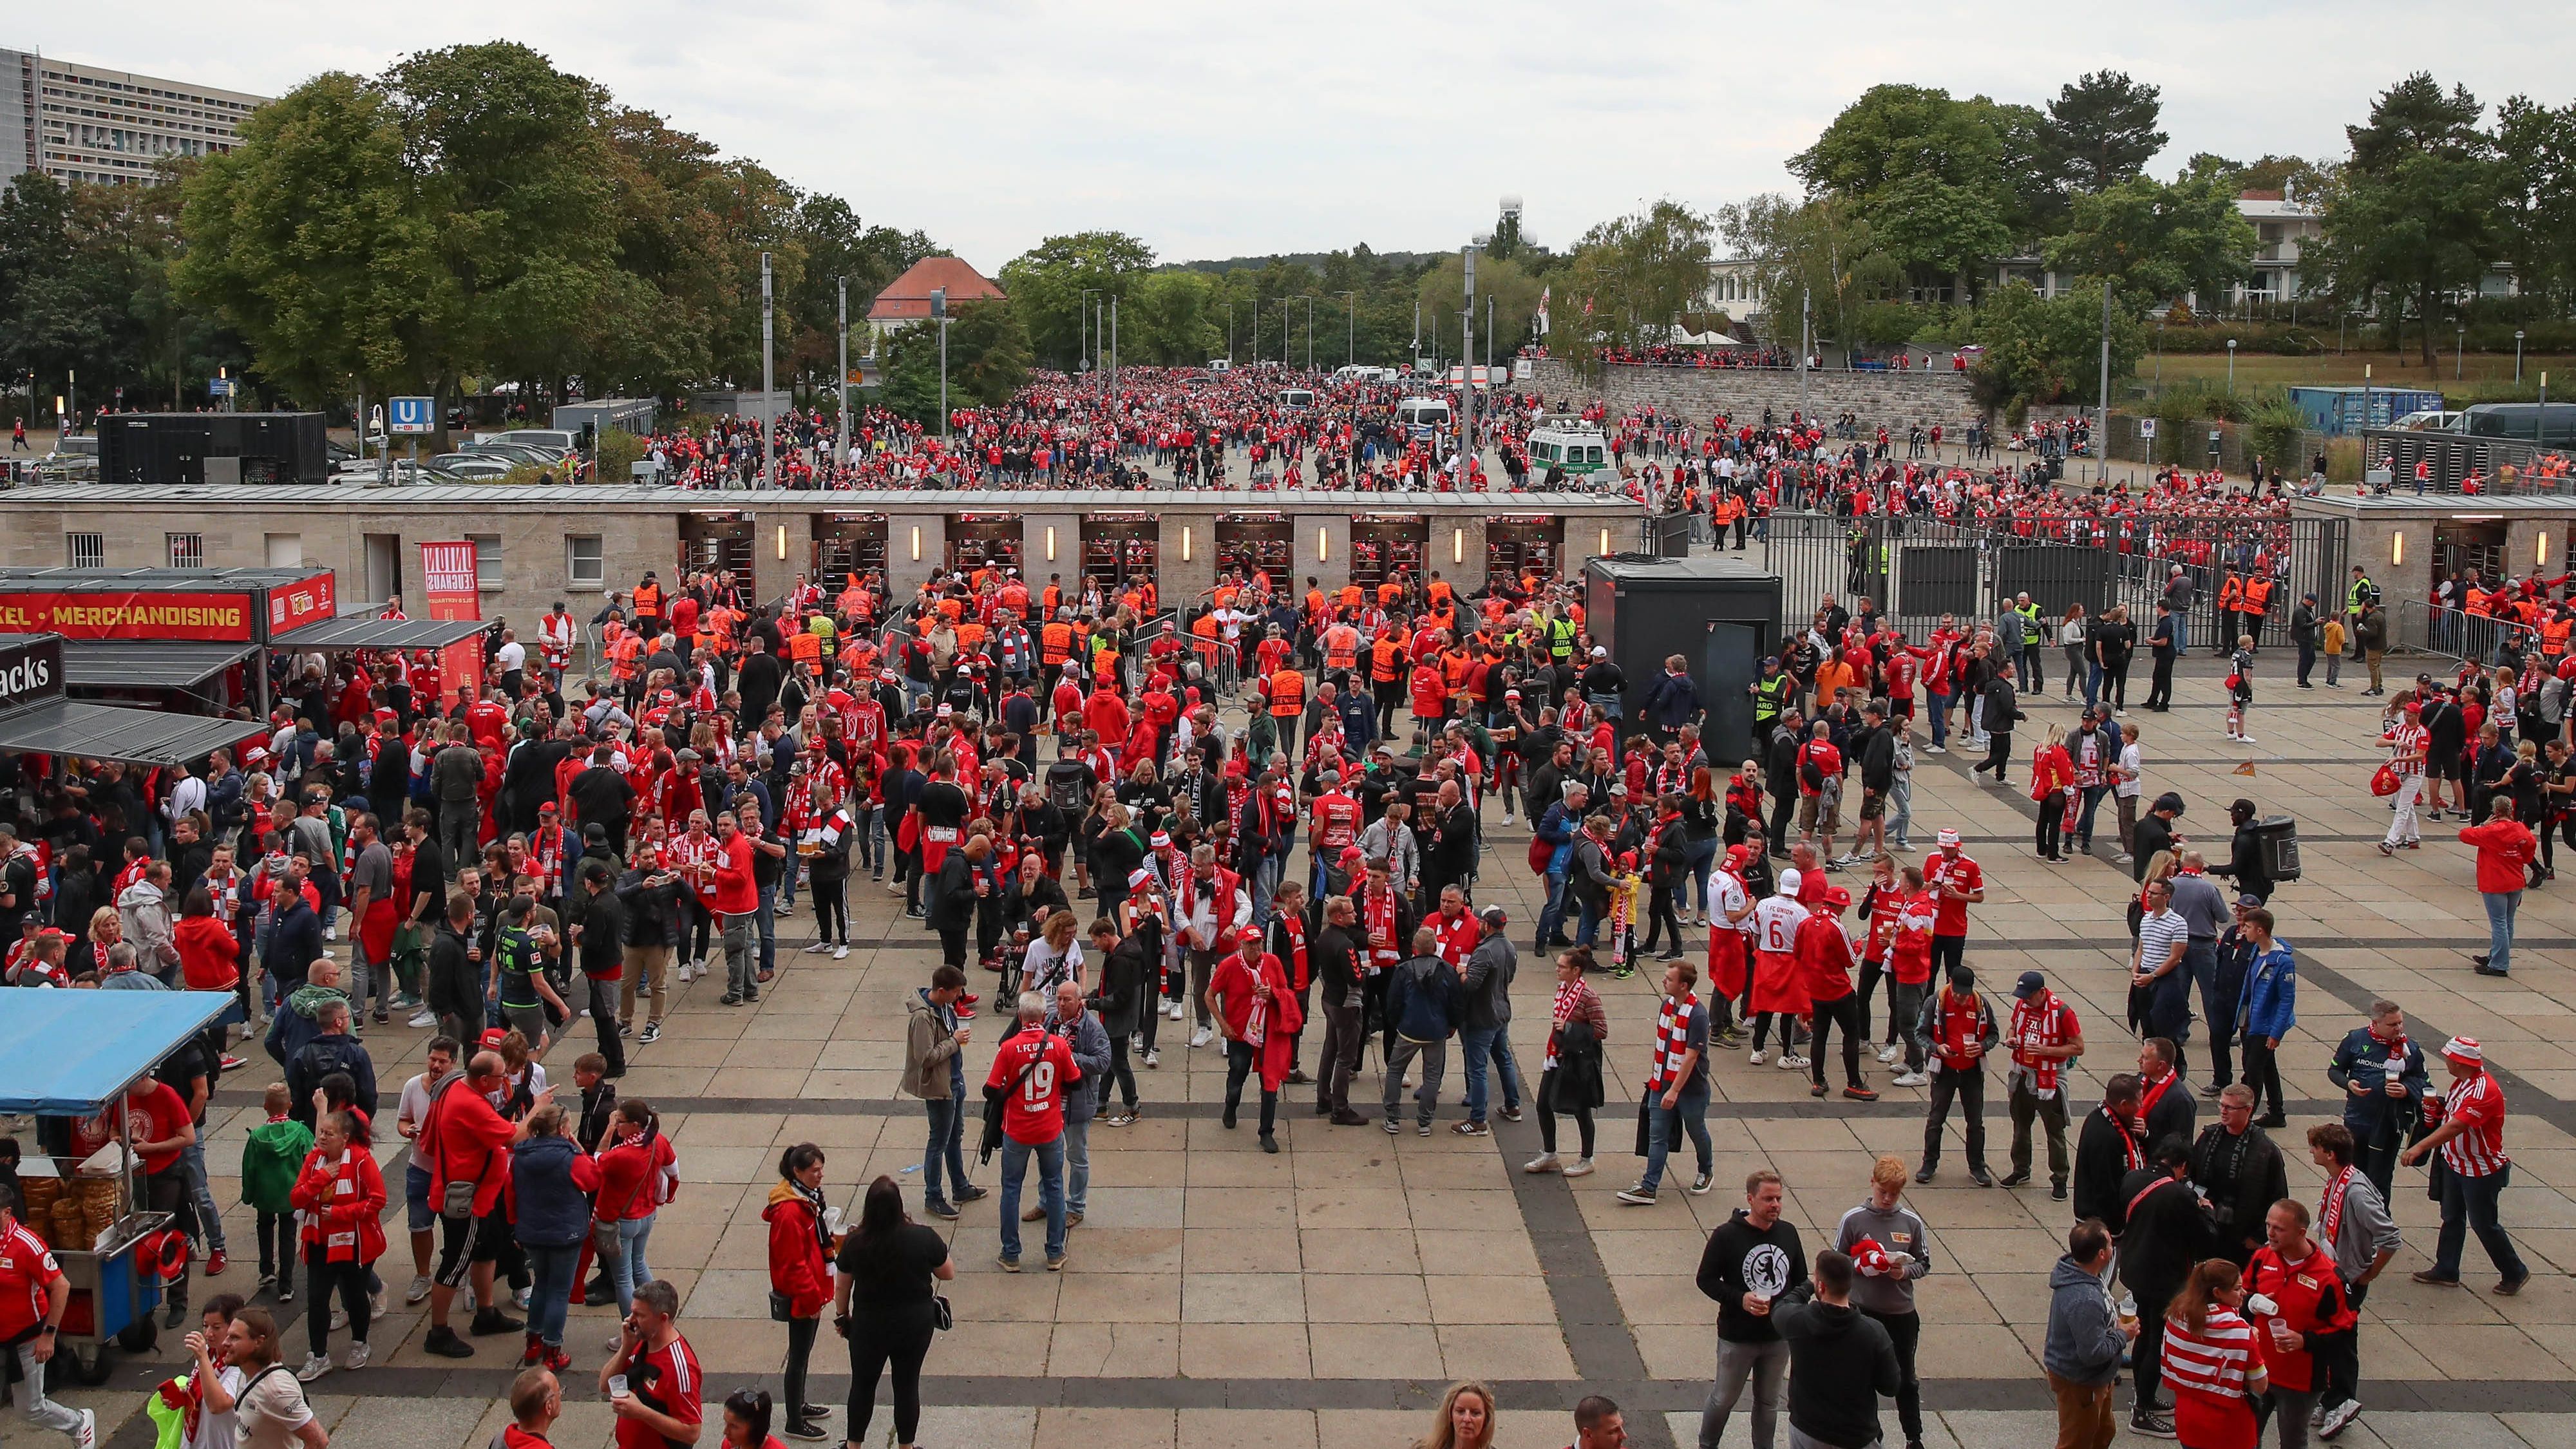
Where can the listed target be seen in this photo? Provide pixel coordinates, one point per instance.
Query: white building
(77, 122)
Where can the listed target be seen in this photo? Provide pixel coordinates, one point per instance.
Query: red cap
(1835, 896)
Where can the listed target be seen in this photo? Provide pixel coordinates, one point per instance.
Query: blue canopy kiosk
(74, 1054)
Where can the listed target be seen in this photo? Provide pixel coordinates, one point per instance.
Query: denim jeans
(209, 1219)
(1265, 884)
(2501, 906)
(1077, 1164)
(1484, 1046)
(1551, 916)
(769, 926)
(632, 1234)
(1015, 1166)
(1701, 857)
(550, 1297)
(1692, 1109)
(947, 1142)
(368, 977)
(1940, 712)
(1767, 1366)
(2476, 1202)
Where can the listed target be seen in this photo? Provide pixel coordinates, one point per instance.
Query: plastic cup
(617, 1386)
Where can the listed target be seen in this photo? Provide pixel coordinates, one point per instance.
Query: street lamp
(1350, 327)
(2231, 366)
(1082, 333)
(2460, 358)
(2517, 354)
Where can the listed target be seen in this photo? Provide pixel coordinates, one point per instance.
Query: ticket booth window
(718, 543)
(1117, 551)
(1525, 547)
(979, 543)
(1382, 548)
(1246, 544)
(845, 547)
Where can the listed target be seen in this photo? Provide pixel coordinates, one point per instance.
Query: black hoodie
(1741, 1256)
(1833, 1350)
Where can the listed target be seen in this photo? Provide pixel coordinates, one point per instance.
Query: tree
(2048, 349)
(988, 360)
(2101, 131)
(1944, 184)
(1047, 282)
(2536, 194)
(1513, 288)
(2158, 241)
(2413, 214)
(1819, 250)
(1638, 275)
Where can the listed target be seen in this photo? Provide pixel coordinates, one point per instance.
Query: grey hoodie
(2365, 1229)
(1899, 1231)
(2084, 1338)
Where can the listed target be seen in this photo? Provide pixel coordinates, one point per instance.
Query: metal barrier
(2458, 634)
(1920, 570)
(2449, 460)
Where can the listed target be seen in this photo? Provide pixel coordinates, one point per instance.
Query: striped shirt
(2478, 1149)
(2158, 934)
(2212, 1362)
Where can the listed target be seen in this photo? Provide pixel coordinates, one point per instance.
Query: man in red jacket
(466, 1141)
(2505, 848)
(1825, 960)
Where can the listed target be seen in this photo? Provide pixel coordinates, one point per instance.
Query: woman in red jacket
(209, 955)
(340, 1196)
(2052, 784)
(2506, 847)
(800, 1250)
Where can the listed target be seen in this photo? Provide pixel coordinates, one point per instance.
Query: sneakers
(1392, 1127)
(216, 1262)
(1791, 1061)
(1174, 1011)
(652, 1033)
(1700, 1185)
(942, 1210)
(489, 1321)
(1889, 1053)
(1471, 1129)
(1638, 1196)
(1153, 1058)
(315, 1366)
(800, 1429)
(355, 1358)
(424, 1020)
(841, 952)
(85, 1435)
(1198, 1038)
(1860, 1094)
(2339, 1418)
(1544, 1162)
(1007, 1265)
(1911, 1079)
(1422, 1131)
(1056, 1263)
(1760, 1056)
(2152, 1425)
(1579, 1167)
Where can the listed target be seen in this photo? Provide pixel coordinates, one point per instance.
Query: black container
(173, 448)
(2277, 836)
(1717, 612)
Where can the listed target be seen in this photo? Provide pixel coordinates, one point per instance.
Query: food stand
(74, 1054)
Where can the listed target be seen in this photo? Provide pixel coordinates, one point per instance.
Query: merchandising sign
(292, 606)
(222, 618)
(30, 673)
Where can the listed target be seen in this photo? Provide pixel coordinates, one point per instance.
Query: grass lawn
(2387, 369)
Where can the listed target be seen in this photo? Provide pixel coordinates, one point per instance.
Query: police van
(1423, 417)
(1570, 444)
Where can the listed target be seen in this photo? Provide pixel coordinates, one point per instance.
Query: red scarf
(2150, 1093)
(2132, 1158)
(1958, 1030)
(1293, 926)
(2330, 1211)
(1672, 1038)
(338, 1247)
(1569, 1001)
(1378, 910)
(2038, 1022)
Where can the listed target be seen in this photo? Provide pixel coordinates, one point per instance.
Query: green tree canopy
(2413, 216)
(2157, 241)
(2101, 131)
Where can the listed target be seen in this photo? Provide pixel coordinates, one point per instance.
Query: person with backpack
(272, 1158)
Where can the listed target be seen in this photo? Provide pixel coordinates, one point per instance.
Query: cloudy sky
(1216, 130)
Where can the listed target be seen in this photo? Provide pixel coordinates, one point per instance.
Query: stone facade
(1895, 399)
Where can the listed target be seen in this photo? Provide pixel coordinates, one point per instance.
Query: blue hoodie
(2269, 1004)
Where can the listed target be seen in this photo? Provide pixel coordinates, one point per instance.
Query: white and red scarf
(2330, 1211)
(1293, 926)
(340, 1247)
(1569, 1002)
(1378, 911)
(1672, 1038)
(2040, 1021)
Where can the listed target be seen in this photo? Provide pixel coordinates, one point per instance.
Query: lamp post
(2517, 355)
(1350, 328)
(1083, 332)
(2460, 357)
(2231, 367)
(768, 385)
(841, 434)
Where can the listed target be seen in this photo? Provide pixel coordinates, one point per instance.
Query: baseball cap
(1789, 882)
(2249, 900)
(1836, 897)
(1248, 933)
(1946, 837)
(2464, 1049)
(1600, 653)
(1494, 916)
(2031, 982)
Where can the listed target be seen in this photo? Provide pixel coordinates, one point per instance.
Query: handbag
(940, 1312)
(2385, 781)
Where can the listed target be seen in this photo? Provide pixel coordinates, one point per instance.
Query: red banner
(220, 618)
(448, 573)
(292, 606)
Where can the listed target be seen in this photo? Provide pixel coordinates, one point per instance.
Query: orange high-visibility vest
(2231, 595)
(1287, 693)
(1386, 661)
(2258, 595)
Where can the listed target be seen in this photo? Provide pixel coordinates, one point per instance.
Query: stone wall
(1699, 393)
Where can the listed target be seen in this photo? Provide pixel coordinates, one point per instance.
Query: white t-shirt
(220, 1431)
(272, 1411)
(2133, 773)
(512, 654)
(415, 1101)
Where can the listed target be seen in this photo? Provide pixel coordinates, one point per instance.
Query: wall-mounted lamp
(1185, 543)
(2540, 551)
(2397, 548)
(916, 543)
(1050, 543)
(782, 543)
(1323, 545)
(1457, 545)
(1605, 541)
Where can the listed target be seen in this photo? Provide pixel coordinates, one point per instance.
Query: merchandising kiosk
(191, 639)
(1717, 612)
(36, 718)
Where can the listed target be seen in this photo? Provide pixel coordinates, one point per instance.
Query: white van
(1220, 364)
(1296, 397)
(1575, 446)
(1423, 417)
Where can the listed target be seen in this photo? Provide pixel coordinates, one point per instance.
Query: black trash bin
(2277, 836)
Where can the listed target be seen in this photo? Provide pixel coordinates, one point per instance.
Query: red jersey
(1824, 957)
(485, 719)
(1961, 873)
(153, 1112)
(1337, 817)
(26, 1266)
(1458, 936)
(2478, 1150)
(1034, 1110)
(667, 1381)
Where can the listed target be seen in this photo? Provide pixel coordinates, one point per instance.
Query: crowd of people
(1057, 782)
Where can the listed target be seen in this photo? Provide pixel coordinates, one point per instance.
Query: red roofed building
(907, 299)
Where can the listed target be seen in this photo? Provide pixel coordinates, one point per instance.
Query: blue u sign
(411, 415)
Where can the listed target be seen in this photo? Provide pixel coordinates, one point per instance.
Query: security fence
(1920, 570)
